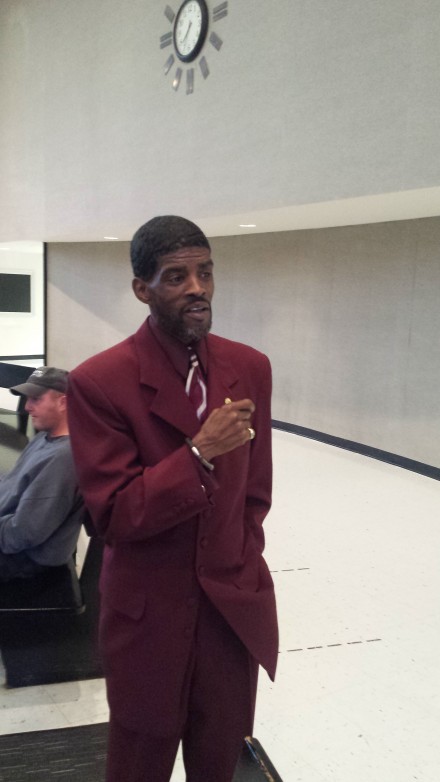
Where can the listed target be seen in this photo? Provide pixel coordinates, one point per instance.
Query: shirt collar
(177, 352)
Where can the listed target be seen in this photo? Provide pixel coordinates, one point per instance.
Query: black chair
(12, 375)
(56, 590)
(53, 638)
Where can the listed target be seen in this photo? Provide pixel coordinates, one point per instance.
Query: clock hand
(186, 34)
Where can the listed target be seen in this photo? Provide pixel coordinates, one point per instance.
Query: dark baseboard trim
(365, 450)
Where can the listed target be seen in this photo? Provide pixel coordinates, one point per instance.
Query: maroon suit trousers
(217, 712)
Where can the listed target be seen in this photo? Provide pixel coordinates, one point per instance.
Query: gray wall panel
(349, 317)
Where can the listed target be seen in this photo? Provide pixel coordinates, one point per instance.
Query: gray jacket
(41, 510)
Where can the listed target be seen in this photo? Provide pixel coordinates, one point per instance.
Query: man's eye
(175, 279)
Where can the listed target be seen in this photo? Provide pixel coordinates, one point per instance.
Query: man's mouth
(197, 310)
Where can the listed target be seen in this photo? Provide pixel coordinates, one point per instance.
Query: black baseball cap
(41, 380)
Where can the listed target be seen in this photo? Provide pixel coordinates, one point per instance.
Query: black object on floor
(54, 647)
(254, 764)
(78, 755)
(55, 589)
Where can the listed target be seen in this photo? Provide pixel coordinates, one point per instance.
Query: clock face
(190, 29)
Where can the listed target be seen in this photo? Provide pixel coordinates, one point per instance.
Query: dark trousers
(217, 713)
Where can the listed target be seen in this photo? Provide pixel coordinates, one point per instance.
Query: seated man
(41, 510)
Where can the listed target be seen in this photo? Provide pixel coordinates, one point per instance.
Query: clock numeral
(216, 41)
(169, 13)
(177, 78)
(219, 11)
(204, 67)
(169, 64)
(190, 81)
(166, 40)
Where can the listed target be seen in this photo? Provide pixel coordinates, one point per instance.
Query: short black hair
(160, 236)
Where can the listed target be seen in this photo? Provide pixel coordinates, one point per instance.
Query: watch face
(190, 29)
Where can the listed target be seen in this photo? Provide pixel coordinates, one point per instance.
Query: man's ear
(141, 290)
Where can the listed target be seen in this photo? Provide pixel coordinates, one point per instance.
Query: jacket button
(202, 570)
(203, 542)
(191, 602)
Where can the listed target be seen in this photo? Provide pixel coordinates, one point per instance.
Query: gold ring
(251, 432)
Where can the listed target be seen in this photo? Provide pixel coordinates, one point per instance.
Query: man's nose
(28, 406)
(195, 286)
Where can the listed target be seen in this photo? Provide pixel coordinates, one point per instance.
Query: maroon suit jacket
(170, 526)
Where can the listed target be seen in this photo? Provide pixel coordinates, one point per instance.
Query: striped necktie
(196, 386)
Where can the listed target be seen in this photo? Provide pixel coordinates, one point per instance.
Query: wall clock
(190, 30)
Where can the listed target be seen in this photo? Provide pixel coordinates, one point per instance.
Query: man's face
(179, 295)
(46, 410)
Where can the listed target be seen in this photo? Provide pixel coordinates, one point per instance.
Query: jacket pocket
(125, 600)
(247, 577)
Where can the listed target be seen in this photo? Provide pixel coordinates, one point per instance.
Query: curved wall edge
(427, 470)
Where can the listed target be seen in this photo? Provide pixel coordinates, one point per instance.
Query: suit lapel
(172, 405)
(170, 401)
(222, 377)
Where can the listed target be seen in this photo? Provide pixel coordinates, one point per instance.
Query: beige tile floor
(354, 546)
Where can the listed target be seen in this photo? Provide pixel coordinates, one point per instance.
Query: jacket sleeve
(128, 501)
(259, 483)
(42, 508)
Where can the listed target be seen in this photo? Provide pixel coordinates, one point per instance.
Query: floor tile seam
(332, 645)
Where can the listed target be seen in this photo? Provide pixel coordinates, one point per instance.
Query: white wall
(305, 102)
(90, 301)
(350, 319)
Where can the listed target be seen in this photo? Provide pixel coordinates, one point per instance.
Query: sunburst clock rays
(191, 28)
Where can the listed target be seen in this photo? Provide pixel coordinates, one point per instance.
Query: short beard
(177, 329)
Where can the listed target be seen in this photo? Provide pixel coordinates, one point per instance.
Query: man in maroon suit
(171, 434)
